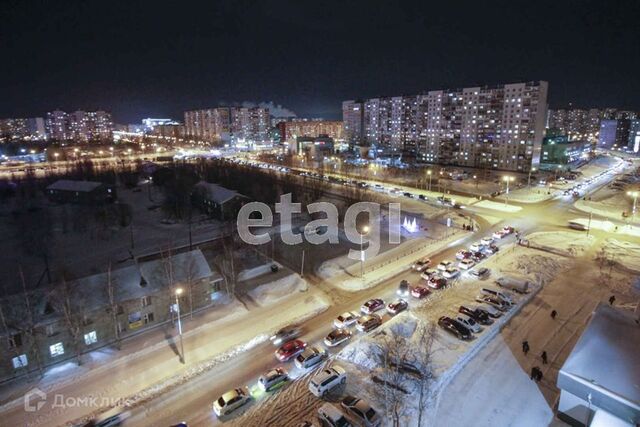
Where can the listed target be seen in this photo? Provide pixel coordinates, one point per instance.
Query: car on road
(397, 306)
(462, 254)
(454, 328)
(421, 264)
(273, 379)
(478, 256)
(403, 288)
(230, 401)
(437, 282)
(327, 379)
(466, 264)
(479, 316)
(285, 334)
(346, 319)
(443, 265)
(468, 322)
(428, 273)
(361, 410)
(480, 272)
(486, 241)
(508, 229)
(368, 322)
(337, 337)
(310, 357)
(491, 249)
(476, 247)
(420, 292)
(493, 301)
(332, 416)
(450, 273)
(372, 306)
(499, 235)
(290, 349)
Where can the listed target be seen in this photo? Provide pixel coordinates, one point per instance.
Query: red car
(372, 306)
(290, 350)
(462, 254)
(437, 282)
(420, 292)
(508, 229)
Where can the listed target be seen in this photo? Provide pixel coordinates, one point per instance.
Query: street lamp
(634, 194)
(475, 177)
(178, 293)
(529, 179)
(429, 173)
(507, 179)
(365, 230)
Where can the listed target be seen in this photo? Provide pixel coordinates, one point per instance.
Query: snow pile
(568, 243)
(529, 195)
(254, 272)
(625, 254)
(335, 266)
(272, 292)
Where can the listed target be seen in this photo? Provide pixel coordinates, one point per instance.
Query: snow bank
(568, 243)
(272, 292)
(532, 195)
(488, 204)
(625, 254)
(251, 273)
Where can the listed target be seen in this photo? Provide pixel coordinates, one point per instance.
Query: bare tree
(12, 344)
(72, 309)
(113, 308)
(424, 362)
(30, 326)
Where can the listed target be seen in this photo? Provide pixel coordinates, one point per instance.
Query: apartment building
(79, 126)
(499, 127)
(235, 125)
(30, 129)
(352, 119)
(290, 130)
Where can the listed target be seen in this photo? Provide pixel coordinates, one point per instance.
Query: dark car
(480, 272)
(491, 249)
(479, 316)
(420, 292)
(454, 328)
(372, 306)
(477, 256)
(397, 306)
(285, 334)
(437, 282)
(403, 289)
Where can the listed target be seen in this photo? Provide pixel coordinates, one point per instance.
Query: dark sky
(159, 58)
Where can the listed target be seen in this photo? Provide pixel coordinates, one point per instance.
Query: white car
(466, 264)
(421, 264)
(444, 265)
(230, 401)
(325, 380)
(476, 247)
(450, 273)
(428, 273)
(486, 241)
(310, 357)
(468, 322)
(346, 319)
(503, 295)
(333, 416)
(273, 379)
(498, 235)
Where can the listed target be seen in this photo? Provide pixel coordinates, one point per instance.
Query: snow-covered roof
(70, 185)
(180, 268)
(605, 363)
(217, 193)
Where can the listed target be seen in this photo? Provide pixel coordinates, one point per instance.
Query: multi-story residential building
(31, 129)
(352, 119)
(622, 133)
(80, 126)
(497, 127)
(311, 128)
(634, 136)
(169, 131)
(228, 125)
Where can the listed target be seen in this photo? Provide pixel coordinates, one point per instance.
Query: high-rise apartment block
(290, 130)
(498, 127)
(29, 129)
(79, 126)
(235, 125)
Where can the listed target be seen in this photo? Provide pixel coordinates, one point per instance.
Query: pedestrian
(525, 347)
(534, 372)
(539, 375)
(554, 314)
(612, 299)
(544, 357)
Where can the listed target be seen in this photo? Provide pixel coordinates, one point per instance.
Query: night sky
(159, 58)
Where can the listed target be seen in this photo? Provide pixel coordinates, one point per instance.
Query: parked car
(368, 322)
(310, 357)
(454, 328)
(480, 272)
(428, 273)
(361, 411)
(331, 415)
(230, 401)
(450, 273)
(285, 334)
(113, 417)
(486, 241)
(290, 349)
(273, 379)
(397, 306)
(327, 379)
(491, 249)
(372, 306)
(462, 254)
(421, 264)
(443, 265)
(490, 310)
(508, 229)
(337, 337)
(493, 301)
(476, 247)
(403, 288)
(466, 264)
(420, 292)
(503, 295)
(479, 316)
(437, 282)
(468, 322)
(346, 319)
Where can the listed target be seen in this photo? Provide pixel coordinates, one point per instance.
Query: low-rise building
(217, 201)
(559, 150)
(81, 192)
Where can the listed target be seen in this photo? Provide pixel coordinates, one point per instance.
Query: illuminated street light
(178, 293)
(634, 194)
(507, 179)
(529, 179)
(365, 230)
(429, 173)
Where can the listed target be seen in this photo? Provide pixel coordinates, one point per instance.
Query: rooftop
(70, 185)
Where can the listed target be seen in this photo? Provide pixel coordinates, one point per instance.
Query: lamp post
(429, 173)
(365, 230)
(475, 177)
(634, 194)
(529, 179)
(178, 293)
(507, 179)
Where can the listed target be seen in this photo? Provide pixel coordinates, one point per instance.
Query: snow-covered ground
(569, 243)
(626, 254)
(498, 206)
(272, 292)
(534, 194)
(611, 207)
(251, 273)
(608, 226)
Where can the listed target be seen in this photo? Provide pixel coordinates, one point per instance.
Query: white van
(503, 295)
(327, 379)
(521, 286)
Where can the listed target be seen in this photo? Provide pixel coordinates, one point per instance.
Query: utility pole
(178, 292)
(589, 226)
(302, 265)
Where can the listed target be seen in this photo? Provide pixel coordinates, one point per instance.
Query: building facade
(235, 125)
(498, 127)
(353, 122)
(29, 129)
(79, 126)
(311, 128)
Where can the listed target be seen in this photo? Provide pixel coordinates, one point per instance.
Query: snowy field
(625, 254)
(273, 292)
(498, 206)
(568, 243)
(535, 194)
